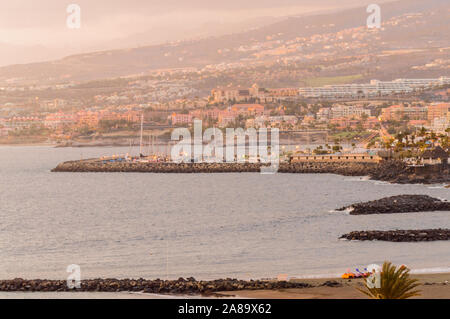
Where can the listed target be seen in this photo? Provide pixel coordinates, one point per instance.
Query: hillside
(415, 33)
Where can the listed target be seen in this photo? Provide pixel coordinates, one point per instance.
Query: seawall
(348, 169)
(389, 171)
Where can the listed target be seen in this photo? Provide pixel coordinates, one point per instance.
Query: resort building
(441, 124)
(59, 119)
(438, 111)
(372, 89)
(399, 112)
(248, 109)
(180, 118)
(345, 157)
(348, 111)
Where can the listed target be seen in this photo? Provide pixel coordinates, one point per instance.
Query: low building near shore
(344, 157)
(435, 156)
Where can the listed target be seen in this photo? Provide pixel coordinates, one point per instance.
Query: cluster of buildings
(347, 116)
(435, 116)
(221, 117)
(342, 91)
(61, 119)
(251, 107)
(223, 95)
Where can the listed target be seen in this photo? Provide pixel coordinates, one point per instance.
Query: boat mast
(142, 129)
(149, 144)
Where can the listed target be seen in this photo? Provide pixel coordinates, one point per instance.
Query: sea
(206, 226)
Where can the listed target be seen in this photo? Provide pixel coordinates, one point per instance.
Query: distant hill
(434, 32)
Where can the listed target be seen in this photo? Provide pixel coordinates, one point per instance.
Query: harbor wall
(389, 171)
(349, 169)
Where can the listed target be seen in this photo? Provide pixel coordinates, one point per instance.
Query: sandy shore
(434, 286)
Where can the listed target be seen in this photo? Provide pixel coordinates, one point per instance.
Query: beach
(433, 286)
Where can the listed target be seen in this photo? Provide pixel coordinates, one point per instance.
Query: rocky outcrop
(399, 204)
(398, 172)
(180, 286)
(400, 235)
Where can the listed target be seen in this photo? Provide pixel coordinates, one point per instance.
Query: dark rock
(400, 235)
(180, 286)
(399, 204)
(331, 283)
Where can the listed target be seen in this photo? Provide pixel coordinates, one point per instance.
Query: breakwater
(348, 169)
(399, 204)
(390, 171)
(180, 286)
(400, 235)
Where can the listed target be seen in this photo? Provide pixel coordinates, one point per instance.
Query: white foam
(317, 276)
(435, 270)
(358, 179)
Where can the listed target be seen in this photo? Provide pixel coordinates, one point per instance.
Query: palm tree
(395, 283)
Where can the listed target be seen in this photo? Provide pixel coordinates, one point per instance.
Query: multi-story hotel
(398, 112)
(372, 89)
(438, 111)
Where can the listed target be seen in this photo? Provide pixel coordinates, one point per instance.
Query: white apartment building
(348, 111)
(374, 88)
(440, 124)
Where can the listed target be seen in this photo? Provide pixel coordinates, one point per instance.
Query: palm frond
(395, 283)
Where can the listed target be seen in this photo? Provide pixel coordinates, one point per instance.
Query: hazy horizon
(33, 33)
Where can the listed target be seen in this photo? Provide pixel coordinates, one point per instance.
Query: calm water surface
(202, 225)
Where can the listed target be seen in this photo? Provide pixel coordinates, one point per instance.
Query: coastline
(433, 286)
(28, 145)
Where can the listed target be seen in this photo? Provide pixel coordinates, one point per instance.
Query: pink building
(248, 109)
(226, 117)
(60, 119)
(179, 118)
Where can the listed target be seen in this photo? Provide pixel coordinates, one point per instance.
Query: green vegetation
(106, 126)
(349, 135)
(33, 130)
(394, 283)
(321, 81)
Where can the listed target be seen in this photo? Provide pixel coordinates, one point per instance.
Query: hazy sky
(40, 25)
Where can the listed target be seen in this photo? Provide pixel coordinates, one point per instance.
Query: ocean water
(208, 226)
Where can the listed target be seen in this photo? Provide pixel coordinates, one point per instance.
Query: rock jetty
(347, 169)
(400, 235)
(399, 204)
(390, 171)
(180, 286)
